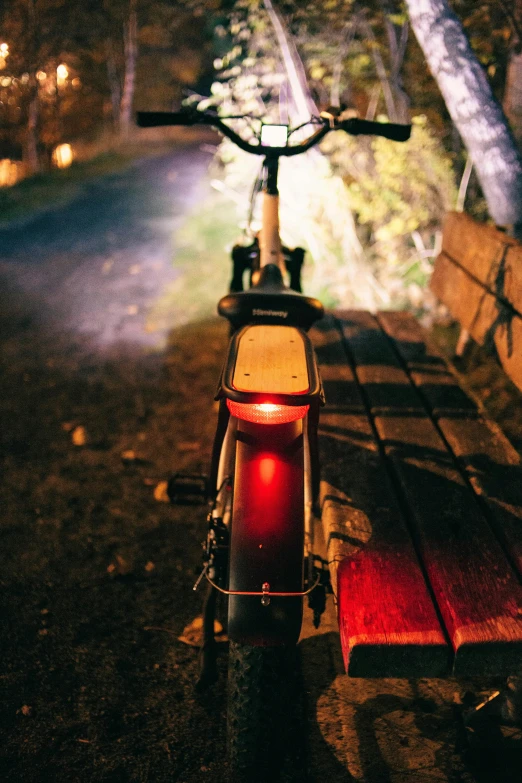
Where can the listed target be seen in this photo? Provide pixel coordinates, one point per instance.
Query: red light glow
(267, 412)
(267, 466)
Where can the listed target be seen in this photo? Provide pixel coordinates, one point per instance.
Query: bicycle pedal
(188, 489)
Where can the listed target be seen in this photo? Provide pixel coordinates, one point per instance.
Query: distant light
(41, 76)
(62, 72)
(4, 54)
(10, 172)
(6, 81)
(76, 82)
(63, 156)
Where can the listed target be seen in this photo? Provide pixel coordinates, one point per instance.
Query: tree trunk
(131, 55)
(513, 89)
(30, 145)
(31, 157)
(472, 106)
(513, 95)
(114, 84)
(303, 103)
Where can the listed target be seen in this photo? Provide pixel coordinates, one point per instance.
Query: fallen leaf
(120, 566)
(160, 492)
(79, 436)
(67, 426)
(150, 566)
(193, 633)
(26, 710)
(128, 456)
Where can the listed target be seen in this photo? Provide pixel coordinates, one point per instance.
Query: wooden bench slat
(492, 465)
(384, 631)
(488, 321)
(484, 251)
(443, 509)
(428, 368)
(464, 561)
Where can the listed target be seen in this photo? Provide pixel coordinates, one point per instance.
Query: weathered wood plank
(479, 596)
(387, 620)
(495, 473)
(483, 251)
(488, 321)
(492, 465)
(463, 559)
(469, 303)
(428, 368)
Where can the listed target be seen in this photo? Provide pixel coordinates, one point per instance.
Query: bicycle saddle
(269, 301)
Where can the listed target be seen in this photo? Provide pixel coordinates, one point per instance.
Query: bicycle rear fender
(267, 533)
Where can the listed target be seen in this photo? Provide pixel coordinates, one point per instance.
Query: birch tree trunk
(472, 106)
(131, 55)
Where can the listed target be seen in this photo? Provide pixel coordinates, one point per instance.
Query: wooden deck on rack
(422, 507)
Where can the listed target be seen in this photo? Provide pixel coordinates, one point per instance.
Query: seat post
(269, 239)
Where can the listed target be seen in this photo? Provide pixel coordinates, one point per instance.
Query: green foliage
(396, 188)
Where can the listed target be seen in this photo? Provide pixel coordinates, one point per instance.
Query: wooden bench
(421, 498)
(478, 276)
(421, 504)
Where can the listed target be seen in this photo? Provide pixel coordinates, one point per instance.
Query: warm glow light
(267, 466)
(63, 156)
(10, 172)
(4, 54)
(267, 412)
(62, 72)
(41, 76)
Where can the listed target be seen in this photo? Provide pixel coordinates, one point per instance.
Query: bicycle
(264, 474)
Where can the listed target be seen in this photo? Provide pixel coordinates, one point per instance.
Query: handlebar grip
(389, 130)
(153, 119)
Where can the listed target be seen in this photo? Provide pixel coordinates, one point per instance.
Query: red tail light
(267, 412)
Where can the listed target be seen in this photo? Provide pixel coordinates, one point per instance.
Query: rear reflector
(267, 412)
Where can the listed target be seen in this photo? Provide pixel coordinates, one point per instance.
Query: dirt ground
(97, 569)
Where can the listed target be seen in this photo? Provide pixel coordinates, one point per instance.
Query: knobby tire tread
(261, 688)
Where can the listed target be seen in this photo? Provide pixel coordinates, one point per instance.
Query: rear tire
(261, 690)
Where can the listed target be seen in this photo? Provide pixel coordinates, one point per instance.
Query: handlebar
(353, 126)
